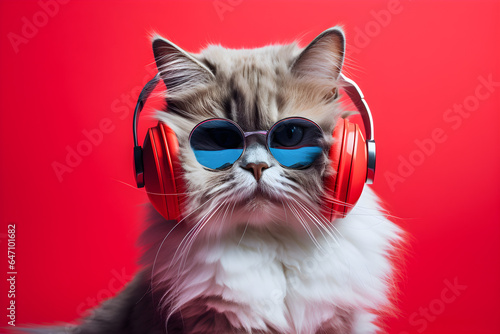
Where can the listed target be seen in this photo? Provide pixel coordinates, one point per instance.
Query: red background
(87, 62)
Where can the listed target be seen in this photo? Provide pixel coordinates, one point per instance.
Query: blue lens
(217, 143)
(295, 142)
(296, 158)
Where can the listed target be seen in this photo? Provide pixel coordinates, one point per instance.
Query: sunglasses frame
(251, 133)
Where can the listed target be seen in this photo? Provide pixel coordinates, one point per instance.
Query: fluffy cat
(254, 254)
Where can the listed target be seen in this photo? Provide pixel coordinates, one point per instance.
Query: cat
(253, 254)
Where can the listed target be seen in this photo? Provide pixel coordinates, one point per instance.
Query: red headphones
(157, 165)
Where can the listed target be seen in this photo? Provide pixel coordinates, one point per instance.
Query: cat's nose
(256, 169)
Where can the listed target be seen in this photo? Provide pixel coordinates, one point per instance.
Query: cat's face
(254, 88)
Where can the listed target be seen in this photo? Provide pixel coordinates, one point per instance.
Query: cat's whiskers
(166, 236)
(184, 247)
(378, 213)
(157, 194)
(173, 292)
(186, 238)
(321, 223)
(226, 211)
(327, 223)
(297, 214)
(220, 189)
(318, 220)
(284, 210)
(243, 234)
(154, 262)
(188, 241)
(188, 245)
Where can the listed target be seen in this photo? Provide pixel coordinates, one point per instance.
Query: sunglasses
(294, 142)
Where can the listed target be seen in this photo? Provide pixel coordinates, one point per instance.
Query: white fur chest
(290, 283)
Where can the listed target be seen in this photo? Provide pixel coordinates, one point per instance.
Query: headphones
(157, 165)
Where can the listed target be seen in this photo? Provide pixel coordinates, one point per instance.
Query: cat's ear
(323, 57)
(178, 68)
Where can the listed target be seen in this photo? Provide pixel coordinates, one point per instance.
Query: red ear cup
(348, 156)
(162, 171)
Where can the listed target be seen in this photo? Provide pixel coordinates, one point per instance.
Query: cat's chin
(260, 213)
(260, 199)
(260, 208)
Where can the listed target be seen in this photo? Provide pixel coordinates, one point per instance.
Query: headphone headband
(356, 96)
(141, 101)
